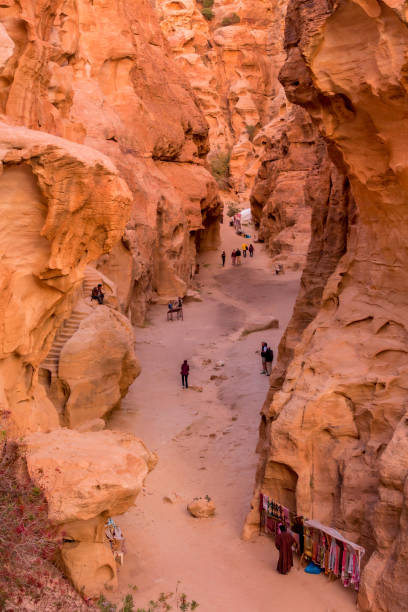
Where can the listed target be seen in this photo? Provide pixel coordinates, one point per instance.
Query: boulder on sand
(260, 324)
(85, 478)
(201, 507)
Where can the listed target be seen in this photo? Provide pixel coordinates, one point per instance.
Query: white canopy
(333, 533)
(246, 215)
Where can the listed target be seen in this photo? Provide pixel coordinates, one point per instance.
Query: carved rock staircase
(70, 325)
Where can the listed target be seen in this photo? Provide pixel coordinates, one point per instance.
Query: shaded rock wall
(337, 441)
(281, 199)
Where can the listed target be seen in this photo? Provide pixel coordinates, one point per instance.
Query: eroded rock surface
(336, 429)
(284, 189)
(98, 365)
(232, 61)
(99, 74)
(63, 204)
(87, 477)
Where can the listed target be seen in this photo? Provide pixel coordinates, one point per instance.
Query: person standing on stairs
(97, 294)
(185, 370)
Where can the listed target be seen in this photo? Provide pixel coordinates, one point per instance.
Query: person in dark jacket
(264, 348)
(97, 294)
(268, 360)
(185, 370)
(284, 542)
(251, 250)
(223, 258)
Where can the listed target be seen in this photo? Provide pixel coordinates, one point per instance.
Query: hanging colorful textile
(326, 547)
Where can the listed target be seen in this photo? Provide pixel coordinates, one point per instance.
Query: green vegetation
(207, 9)
(207, 13)
(232, 209)
(230, 20)
(163, 603)
(220, 168)
(251, 129)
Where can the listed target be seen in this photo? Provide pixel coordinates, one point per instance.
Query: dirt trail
(206, 444)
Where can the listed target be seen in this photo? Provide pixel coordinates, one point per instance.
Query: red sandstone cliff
(336, 447)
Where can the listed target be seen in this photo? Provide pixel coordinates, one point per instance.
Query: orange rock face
(103, 152)
(53, 222)
(336, 430)
(98, 73)
(232, 61)
(282, 196)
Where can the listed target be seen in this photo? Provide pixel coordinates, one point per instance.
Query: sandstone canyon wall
(232, 59)
(281, 198)
(98, 73)
(103, 152)
(333, 439)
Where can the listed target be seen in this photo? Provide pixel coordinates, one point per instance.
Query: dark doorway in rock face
(280, 483)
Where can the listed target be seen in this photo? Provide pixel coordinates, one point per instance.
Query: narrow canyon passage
(206, 442)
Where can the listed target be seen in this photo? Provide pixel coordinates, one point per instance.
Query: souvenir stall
(242, 218)
(326, 547)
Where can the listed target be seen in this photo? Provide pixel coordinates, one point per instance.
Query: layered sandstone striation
(99, 74)
(232, 60)
(103, 151)
(282, 196)
(334, 432)
(63, 204)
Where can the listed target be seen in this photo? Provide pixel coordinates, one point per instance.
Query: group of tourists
(236, 254)
(175, 307)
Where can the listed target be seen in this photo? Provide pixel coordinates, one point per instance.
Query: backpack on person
(269, 354)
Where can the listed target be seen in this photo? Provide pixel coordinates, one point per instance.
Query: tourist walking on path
(284, 542)
(238, 257)
(268, 360)
(251, 250)
(244, 249)
(185, 370)
(264, 348)
(233, 257)
(223, 258)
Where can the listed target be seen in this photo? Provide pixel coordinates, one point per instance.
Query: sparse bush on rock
(230, 20)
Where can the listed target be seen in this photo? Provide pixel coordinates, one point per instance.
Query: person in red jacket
(185, 369)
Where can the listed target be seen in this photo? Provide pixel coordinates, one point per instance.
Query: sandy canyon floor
(206, 444)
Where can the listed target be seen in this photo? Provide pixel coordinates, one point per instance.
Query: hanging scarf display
(325, 546)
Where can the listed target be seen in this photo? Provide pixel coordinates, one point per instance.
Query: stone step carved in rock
(70, 325)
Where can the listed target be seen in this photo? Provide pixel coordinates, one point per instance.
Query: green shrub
(231, 20)
(251, 129)
(220, 168)
(232, 209)
(163, 603)
(208, 3)
(207, 13)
